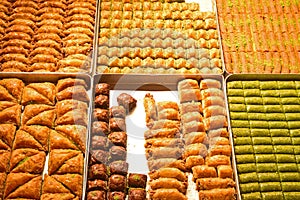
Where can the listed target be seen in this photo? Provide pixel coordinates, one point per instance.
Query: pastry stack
(164, 149)
(207, 149)
(30, 132)
(18, 36)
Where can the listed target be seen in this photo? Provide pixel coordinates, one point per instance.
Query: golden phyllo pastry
(54, 189)
(11, 89)
(22, 185)
(65, 161)
(34, 137)
(38, 114)
(58, 140)
(2, 181)
(39, 93)
(4, 160)
(27, 161)
(71, 112)
(71, 181)
(72, 89)
(75, 133)
(10, 113)
(7, 132)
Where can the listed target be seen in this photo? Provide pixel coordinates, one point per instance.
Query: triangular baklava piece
(22, 185)
(72, 182)
(59, 141)
(27, 161)
(10, 113)
(4, 160)
(7, 132)
(11, 89)
(39, 93)
(65, 161)
(34, 137)
(51, 185)
(76, 133)
(38, 114)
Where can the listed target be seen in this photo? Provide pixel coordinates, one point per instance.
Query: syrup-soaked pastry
(191, 116)
(64, 106)
(136, 194)
(192, 161)
(27, 161)
(221, 132)
(190, 107)
(11, 89)
(71, 181)
(163, 152)
(50, 67)
(203, 171)
(52, 15)
(187, 95)
(96, 194)
(195, 149)
(217, 160)
(65, 83)
(162, 133)
(38, 114)
(193, 126)
(213, 101)
(22, 21)
(116, 195)
(39, 93)
(77, 92)
(48, 43)
(17, 35)
(117, 182)
(2, 183)
(49, 29)
(163, 142)
(99, 142)
(211, 92)
(215, 122)
(44, 58)
(74, 36)
(99, 157)
(117, 153)
(51, 10)
(219, 141)
(166, 105)
(119, 167)
(225, 171)
(118, 138)
(218, 193)
(188, 84)
(100, 114)
(54, 4)
(136, 180)
(81, 17)
(73, 134)
(4, 158)
(100, 128)
(164, 123)
(63, 161)
(14, 66)
(101, 101)
(7, 132)
(80, 10)
(150, 108)
(75, 63)
(168, 173)
(195, 137)
(33, 137)
(166, 162)
(172, 194)
(82, 4)
(46, 51)
(86, 31)
(98, 171)
(73, 116)
(168, 183)
(16, 43)
(28, 16)
(82, 24)
(44, 36)
(219, 150)
(96, 185)
(10, 113)
(52, 187)
(168, 113)
(77, 49)
(14, 50)
(20, 28)
(213, 111)
(80, 41)
(117, 112)
(127, 101)
(22, 185)
(209, 83)
(51, 22)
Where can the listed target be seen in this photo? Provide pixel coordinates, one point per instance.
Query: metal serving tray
(53, 78)
(163, 88)
(205, 6)
(251, 77)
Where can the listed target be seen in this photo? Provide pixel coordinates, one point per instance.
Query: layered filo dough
(11, 89)
(4, 158)
(23, 185)
(68, 137)
(7, 133)
(68, 186)
(70, 88)
(71, 112)
(39, 114)
(39, 93)
(33, 136)
(62, 161)
(10, 113)
(27, 161)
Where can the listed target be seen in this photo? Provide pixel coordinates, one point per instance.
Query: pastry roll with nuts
(169, 114)
(161, 183)
(190, 107)
(172, 194)
(161, 133)
(219, 150)
(214, 110)
(166, 162)
(217, 160)
(214, 183)
(226, 193)
(168, 173)
(163, 152)
(192, 161)
(194, 149)
(187, 95)
(215, 122)
(193, 126)
(195, 137)
(164, 142)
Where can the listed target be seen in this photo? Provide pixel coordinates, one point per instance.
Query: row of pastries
(108, 176)
(38, 120)
(47, 36)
